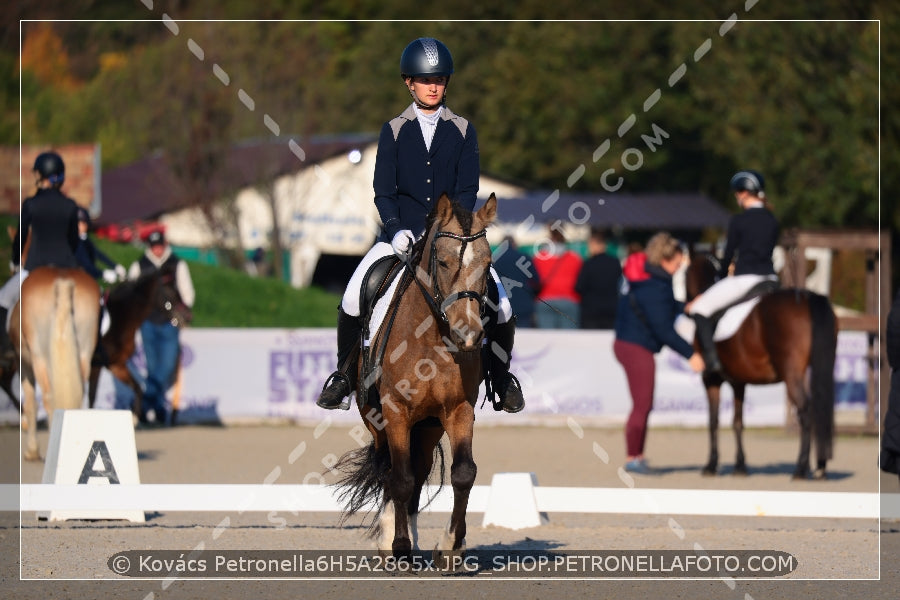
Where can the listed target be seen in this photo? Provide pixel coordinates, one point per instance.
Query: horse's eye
(442, 264)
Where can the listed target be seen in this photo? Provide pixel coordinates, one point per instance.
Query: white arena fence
(246, 374)
(532, 503)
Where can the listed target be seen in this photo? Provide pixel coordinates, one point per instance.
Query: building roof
(674, 211)
(148, 188)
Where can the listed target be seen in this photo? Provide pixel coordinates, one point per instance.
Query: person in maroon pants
(644, 324)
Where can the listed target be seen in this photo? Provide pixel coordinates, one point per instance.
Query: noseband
(436, 299)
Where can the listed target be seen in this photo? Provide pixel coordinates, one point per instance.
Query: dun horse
(58, 313)
(427, 384)
(788, 333)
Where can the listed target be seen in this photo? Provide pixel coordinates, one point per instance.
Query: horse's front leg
(740, 466)
(712, 392)
(459, 427)
(400, 484)
(424, 440)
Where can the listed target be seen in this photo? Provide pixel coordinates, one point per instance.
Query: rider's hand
(696, 362)
(109, 276)
(121, 273)
(402, 242)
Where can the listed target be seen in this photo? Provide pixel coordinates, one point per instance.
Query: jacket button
(427, 181)
(428, 199)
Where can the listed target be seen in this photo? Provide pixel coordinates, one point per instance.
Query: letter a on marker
(98, 449)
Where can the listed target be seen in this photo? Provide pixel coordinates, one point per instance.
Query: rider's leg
(342, 382)
(500, 346)
(705, 329)
(9, 295)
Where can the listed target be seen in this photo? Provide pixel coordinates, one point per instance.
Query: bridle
(436, 300)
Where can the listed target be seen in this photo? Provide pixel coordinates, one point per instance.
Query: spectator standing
(558, 268)
(598, 284)
(520, 278)
(160, 332)
(644, 324)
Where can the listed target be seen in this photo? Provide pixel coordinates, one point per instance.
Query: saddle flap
(376, 282)
(732, 319)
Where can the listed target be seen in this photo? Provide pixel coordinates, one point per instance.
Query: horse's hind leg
(459, 427)
(712, 393)
(740, 466)
(797, 393)
(29, 412)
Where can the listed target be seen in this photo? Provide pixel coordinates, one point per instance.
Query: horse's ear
(488, 212)
(444, 209)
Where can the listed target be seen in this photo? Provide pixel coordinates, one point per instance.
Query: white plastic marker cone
(511, 502)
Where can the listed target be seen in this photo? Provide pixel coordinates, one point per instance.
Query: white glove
(121, 272)
(402, 242)
(109, 276)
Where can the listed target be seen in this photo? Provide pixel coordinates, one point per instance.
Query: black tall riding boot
(342, 382)
(705, 329)
(505, 384)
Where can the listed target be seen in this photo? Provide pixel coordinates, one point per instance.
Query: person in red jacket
(558, 268)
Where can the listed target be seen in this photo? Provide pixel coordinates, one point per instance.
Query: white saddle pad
(381, 308)
(725, 328)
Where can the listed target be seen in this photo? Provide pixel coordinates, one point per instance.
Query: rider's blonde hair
(662, 246)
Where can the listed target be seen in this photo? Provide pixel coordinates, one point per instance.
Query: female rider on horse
(752, 236)
(423, 152)
(49, 226)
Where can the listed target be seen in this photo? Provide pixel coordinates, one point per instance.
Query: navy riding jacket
(88, 254)
(752, 235)
(50, 222)
(652, 324)
(409, 179)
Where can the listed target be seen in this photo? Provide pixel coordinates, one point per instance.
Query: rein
(437, 302)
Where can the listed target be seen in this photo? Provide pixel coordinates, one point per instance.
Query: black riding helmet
(426, 57)
(50, 166)
(750, 181)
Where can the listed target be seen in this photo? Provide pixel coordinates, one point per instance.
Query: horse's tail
(821, 361)
(65, 370)
(364, 477)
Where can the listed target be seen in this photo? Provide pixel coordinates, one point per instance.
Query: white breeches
(9, 293)
(350, 301)
(724, 292)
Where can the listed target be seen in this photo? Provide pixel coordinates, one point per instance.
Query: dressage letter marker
(91, 447)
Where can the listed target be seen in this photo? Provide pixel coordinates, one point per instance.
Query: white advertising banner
(250, 374)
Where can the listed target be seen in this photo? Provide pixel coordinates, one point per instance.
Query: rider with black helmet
(423, 152)
(751, 239)
(49, 228)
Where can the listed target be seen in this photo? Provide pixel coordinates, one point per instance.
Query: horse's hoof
(33, 456)
(449, 560)
(708, 471)
(820, 475)
(741, 471)
(402, 548)
(800, 476)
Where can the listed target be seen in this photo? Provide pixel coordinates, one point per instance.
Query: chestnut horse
(427, 383)
(58, 314)
(790, 336)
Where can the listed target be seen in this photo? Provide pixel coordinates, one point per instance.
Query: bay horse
(128, 304)
(426, 385)
(58, 312)
(789, 336)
